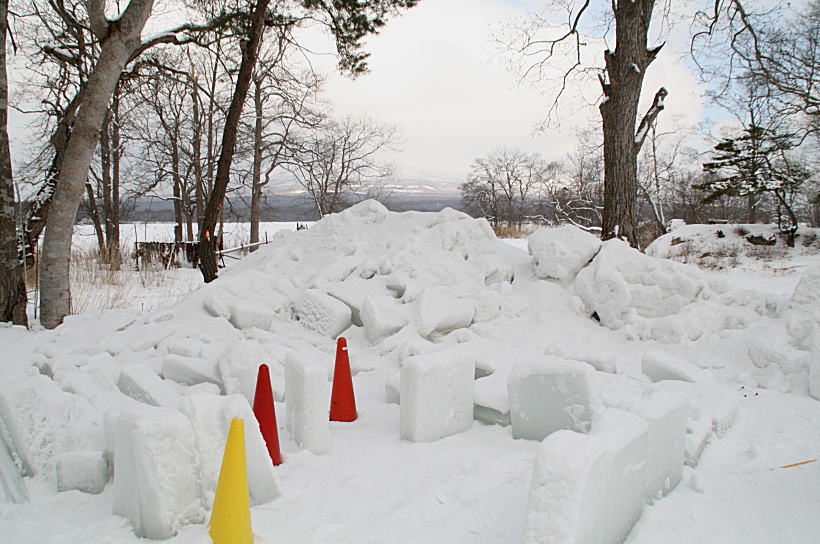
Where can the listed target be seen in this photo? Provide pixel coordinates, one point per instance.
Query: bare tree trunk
(116, 154)
(625, 69)
(94, 212)
(250, 50)
(197, 154)
(178, 219)
(256, 187)
(117, 43)
(12, 281)
(105, 165)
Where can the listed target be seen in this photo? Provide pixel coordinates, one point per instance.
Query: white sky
(439, 77)
(437, 74)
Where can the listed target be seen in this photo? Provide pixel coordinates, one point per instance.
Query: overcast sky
(438, 75)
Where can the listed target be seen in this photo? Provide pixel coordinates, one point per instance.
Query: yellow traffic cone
(231, 516)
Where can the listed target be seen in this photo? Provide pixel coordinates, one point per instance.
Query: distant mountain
(423, 196)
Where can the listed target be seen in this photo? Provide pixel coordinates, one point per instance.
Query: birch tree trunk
(118, 41)
(12, 281)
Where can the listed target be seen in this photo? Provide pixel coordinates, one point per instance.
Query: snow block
(211, 417)
(141, 383)
(322, 313)
(354, 291)
(559, 253)
(666, 415)
(436, 398)
(659, 366)
(547, 395)
(12, 486)
(156, 467)
(85, 471)
(439, 311)
(189, 370)
(588, 489)
(307, 402)
(382, 315)
(814, 379)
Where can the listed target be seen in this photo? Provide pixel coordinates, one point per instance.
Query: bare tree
(505, 185)
(333, 161)
(12, 279)
(621, 82)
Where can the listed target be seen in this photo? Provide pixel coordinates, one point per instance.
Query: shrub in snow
(307, 402)
(547, 395)
(559, 253)
(85, 471)
(589, 489)
(623, 285)
(436, 398)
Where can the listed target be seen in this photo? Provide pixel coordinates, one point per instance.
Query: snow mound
(559, 253)
(623, 286)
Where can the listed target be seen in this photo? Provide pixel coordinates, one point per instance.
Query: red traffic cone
(342, 400)
(265, 413)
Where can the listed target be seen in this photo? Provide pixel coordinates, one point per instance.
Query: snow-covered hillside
(679, 396)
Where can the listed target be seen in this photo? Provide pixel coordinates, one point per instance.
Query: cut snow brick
(354, 291)
(659, 366)
(248, 314)
(588, 489)
(666, 414)
(156, 467)
(439, 311)
(141, 383)
(437, 396)
(382, 315)
(211, 417)
(188, 370)
(322, 313)
(12, 486)
(559, 253)
(814, 379)
(307, 402)
(547, 395)
(85, 471)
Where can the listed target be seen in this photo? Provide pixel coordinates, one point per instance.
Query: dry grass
(514, 231)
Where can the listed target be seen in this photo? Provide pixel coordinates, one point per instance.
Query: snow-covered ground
(414, 291)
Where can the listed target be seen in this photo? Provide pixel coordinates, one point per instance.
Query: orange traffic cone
(265, 412)
(342, 399)
(231, 516)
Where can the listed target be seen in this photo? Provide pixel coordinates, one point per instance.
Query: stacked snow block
(436, 398)
(12, 486)
(440, 311)
(189, 370)
(666, 415)
(547, 395)
(85, 471)
(322, 313)
(156, 483)
(143, 384)
(307, 401)
(382, 315)
(589, 489)
(559, 253)
(659, 366)
(210, 416)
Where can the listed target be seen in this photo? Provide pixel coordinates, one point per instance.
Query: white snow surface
(744, 342)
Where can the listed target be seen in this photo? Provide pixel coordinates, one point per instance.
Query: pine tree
(756, 163)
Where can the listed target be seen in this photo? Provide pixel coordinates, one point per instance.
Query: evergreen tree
(756, 163)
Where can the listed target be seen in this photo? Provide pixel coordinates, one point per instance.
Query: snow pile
(623, 287)
(559, 253)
